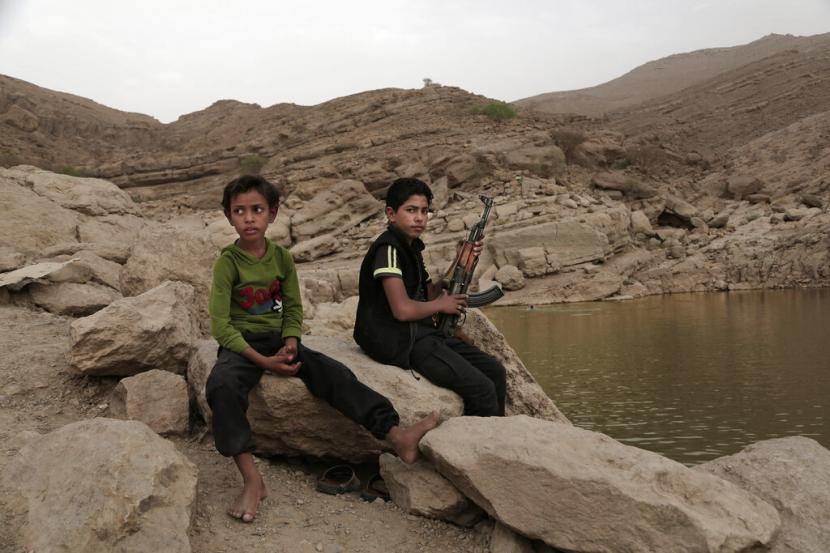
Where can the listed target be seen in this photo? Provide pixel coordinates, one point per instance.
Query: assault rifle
(462, 273)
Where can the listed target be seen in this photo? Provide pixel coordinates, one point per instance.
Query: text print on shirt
(262, 300)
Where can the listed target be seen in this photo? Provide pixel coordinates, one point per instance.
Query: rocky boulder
(582, 491)
(418, 489)
(84, 195)
(315, 248)
(626, 184)
(166, 252)
(71, 298)
(19, 229)
(793, 474)
(334, 210)
(740, 186)
(157, 398)
(277, 403)
(155, 330)
(99, 486)
(510, 277)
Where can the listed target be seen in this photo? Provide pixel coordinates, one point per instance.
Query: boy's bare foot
(405, 439)
(247, 504)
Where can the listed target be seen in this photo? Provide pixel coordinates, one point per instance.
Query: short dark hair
(402, 189)
(250, 182)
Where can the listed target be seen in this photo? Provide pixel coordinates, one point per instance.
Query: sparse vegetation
(498, 111)
(568, 139)
(70, 170)
(251, 165)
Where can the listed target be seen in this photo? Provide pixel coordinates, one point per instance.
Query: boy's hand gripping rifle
(462, 273)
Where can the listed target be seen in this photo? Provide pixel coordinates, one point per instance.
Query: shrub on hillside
(498, 111)
(568, 140)
(70, 170)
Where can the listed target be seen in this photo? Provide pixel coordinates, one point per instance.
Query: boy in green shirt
(256, 316)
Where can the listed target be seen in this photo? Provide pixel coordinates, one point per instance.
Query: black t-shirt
(386, 265)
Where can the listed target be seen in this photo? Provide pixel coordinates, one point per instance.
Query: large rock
(23, 231)
(315, 248)
(641, 224)
(626, 184)
(100, 270)
(157, 398)
(84, 195)
(510, 277)
(341, 207)
(740, 186)
(565, 243)
(524, 395)
(71, 298)
(112, 232)
(582, 491)
(278, 404)
(793, 474)
(418, 489)
(155, 330)
(102, 486)
(166, 252)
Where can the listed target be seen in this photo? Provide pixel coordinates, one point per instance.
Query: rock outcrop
(591, 493)
(102, 485)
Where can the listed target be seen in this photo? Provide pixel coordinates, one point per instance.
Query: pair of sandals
(342, 479)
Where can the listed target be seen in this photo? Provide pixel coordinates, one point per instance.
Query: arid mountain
(666, 76)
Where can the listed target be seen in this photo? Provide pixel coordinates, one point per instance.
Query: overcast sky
(167, 58)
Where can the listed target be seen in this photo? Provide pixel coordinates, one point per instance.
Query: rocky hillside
(666, 76)
(718, 183)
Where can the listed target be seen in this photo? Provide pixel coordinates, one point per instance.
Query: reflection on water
(691, 376)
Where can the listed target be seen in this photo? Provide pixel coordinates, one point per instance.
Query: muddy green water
(690, 376)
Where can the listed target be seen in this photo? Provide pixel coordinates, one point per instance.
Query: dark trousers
(233, 377)
(477, 377)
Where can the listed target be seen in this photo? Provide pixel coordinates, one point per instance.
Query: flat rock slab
(102, 486)
(793, 474)
(582, 491)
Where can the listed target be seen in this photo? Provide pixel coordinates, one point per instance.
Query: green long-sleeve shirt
(254, 294)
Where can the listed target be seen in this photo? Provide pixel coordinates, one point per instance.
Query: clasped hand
(281, 362)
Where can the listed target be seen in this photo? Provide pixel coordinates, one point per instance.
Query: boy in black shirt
(394, 322)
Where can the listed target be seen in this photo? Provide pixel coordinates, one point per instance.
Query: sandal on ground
(338, 479)
(375, 488)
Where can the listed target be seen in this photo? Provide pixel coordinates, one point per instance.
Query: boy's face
(411, 217)
(250, 216)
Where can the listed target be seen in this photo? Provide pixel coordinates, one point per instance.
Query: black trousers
(233, 377)
(477, 377)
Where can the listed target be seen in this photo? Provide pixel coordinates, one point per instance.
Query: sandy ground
(38, 393)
